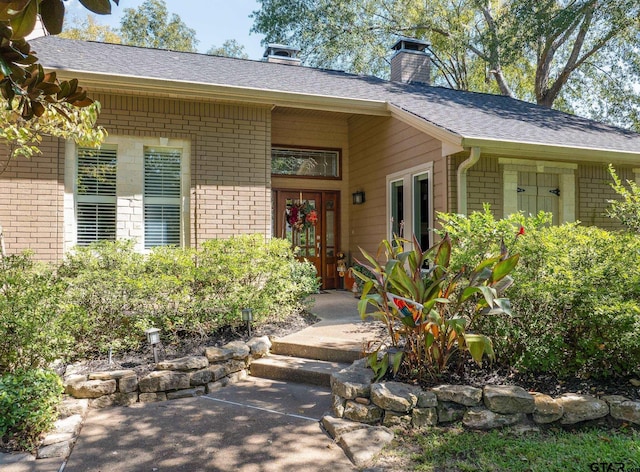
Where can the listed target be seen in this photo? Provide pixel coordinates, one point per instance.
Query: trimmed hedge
(119, 293)
(576, 296)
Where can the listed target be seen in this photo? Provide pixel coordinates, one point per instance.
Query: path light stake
(247, 317)
(153, 338)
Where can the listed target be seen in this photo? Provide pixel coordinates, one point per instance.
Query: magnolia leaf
(52, 14)
(504, 268)
(23, 23)
(100, 7)
(9, 8)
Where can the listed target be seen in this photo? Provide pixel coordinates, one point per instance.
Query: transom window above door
(302, 162)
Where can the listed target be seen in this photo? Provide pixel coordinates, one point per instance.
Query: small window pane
(397, 208)
(96, 222)
(96, 196)
(161, 173)
(421, 209)
(161, 225)
(305, 162)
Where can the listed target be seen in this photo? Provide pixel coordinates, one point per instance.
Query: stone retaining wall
(357, 398)
(177, 378)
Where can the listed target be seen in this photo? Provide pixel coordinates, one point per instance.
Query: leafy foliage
(34, 325)
(626, 210)
(88, 29)
(576, 303)
(121, 293)
(427, 312)
(230, 48)
(151, 26)
(28, 400)
(36, 103)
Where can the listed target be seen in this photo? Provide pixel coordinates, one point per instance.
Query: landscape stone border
(357, 397)
(176, 378)
(371, 408)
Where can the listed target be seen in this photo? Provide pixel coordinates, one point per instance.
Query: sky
(213, 20)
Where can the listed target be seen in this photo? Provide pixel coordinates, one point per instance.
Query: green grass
(455, 449)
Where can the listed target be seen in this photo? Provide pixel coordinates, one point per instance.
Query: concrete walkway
(257, 425)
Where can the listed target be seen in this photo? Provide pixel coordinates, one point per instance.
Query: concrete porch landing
(311, 355)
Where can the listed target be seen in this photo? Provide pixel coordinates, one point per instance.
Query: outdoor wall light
(358, 197)
(153, 338)
(247, 317)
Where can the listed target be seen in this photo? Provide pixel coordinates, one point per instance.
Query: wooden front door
(310, 221)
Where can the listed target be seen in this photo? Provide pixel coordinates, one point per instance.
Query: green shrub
(33, 327)
(28, 400)
(188, 292)
(576, 296)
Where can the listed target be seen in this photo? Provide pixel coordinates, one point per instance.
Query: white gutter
(474, 156)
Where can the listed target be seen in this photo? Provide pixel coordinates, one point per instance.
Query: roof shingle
(466, 114)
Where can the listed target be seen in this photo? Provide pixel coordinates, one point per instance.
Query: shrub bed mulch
(472, 374)
(142, 361)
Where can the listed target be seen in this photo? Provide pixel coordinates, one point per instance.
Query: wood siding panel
(380, 147)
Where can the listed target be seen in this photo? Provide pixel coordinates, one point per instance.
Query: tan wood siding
(380, 147)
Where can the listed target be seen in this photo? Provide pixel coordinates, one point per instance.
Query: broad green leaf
(478, 345)
(504, 268)
(468, 293)
(100, 7)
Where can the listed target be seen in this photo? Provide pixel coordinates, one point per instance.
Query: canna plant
(427, 308)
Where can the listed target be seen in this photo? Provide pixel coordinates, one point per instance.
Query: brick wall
(229, 160)
(593, 191)
(31, 193)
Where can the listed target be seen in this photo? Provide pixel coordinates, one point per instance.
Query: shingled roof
(469, 117)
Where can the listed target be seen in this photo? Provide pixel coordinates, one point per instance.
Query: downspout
(474, 156)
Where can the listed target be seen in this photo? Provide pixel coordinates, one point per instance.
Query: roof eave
(185, 89)
(542, 150)
(451, 142)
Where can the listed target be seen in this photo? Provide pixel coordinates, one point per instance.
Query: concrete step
(295, 369)
(330, 350)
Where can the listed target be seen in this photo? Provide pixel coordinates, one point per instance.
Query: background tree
(230, 48)
(36, 103)
(87, 29)
(151, 26)
(552, 52)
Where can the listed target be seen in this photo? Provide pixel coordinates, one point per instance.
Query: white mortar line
(260, 408)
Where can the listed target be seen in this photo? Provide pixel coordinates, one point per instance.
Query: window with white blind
(162, 196)
(96, 196)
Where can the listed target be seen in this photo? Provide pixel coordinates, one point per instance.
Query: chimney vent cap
(411, 44)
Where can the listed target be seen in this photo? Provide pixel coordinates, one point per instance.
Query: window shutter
(96, 196)
(162, 194)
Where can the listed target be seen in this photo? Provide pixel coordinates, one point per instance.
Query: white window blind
(161, 197)
(96, 196)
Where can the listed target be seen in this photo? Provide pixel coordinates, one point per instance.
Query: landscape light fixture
(153, 338)
(358, 197)
(247, 317)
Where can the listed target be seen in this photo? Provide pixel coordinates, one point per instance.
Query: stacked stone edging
(175, 378)
(357, 398)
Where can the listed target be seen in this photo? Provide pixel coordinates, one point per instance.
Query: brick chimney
(411, 63)
(281, 54)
